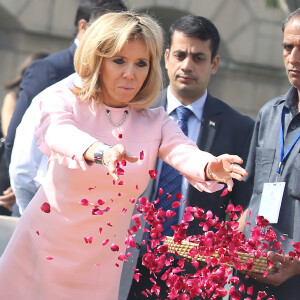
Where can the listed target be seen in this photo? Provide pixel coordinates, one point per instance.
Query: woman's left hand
(224, 168)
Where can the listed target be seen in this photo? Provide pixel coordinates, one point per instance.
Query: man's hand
(287, 268)
(8, 199)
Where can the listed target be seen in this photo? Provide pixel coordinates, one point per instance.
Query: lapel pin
(212, 123)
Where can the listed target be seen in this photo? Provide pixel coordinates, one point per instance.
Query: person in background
(7, 198)
(28, 165)
(274, 168)
(13, 88)
(191, 59)
(88, 132)
(52, 69)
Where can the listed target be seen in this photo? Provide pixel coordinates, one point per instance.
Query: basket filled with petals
(188, 250)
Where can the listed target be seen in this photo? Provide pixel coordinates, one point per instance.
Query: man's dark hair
(87, 7)
(294, 14)
(198, 27)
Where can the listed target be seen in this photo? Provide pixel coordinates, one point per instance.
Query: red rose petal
(114, 247)
(88, 240)
(153, 173)
(132, 200)
(179, 196)
(160, 191)
(46, 208)
(176, 204)
(224, 193)
(141, 155)
(84, 202)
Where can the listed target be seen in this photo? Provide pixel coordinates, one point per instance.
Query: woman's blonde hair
(105, 38)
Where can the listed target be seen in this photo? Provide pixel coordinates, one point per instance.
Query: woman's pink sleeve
(180, 152)
(58, 133)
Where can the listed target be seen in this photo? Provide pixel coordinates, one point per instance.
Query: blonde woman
(68, 242)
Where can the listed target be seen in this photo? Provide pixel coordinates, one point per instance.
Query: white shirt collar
(76, 42)
(196, 107)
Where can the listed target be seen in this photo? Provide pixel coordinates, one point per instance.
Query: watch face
(98, 156)
(99, 153)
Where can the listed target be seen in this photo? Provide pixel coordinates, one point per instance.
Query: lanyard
(283, 155)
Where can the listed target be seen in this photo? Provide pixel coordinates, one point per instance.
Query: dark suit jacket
(223, 130)
(38, 76)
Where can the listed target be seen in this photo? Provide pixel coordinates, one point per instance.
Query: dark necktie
(170, 179)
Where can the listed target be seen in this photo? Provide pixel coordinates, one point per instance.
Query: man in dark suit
(45, 72)
(190, 60)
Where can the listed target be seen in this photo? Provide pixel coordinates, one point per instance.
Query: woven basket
(183, 249)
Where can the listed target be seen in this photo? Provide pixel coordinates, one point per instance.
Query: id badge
(271, 201)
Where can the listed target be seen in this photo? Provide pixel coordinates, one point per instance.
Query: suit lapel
(209, 124)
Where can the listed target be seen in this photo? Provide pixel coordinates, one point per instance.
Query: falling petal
(224, 193)
(100, 230)
(179, 196)
(88, 240)
(49, 258)
(121, 182)
(37, 232)
(188, 217)
(91, 188)
(120, 135)
(153, 173)
(176, 204)
(46, 208)
(105, 242)
(160, 191)
(170, 214)
(141, 155)
(101, 202)
(137, 276)
(114, 247)
(122, 257)
(132, 200)
(124, 210)
(84, 202)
